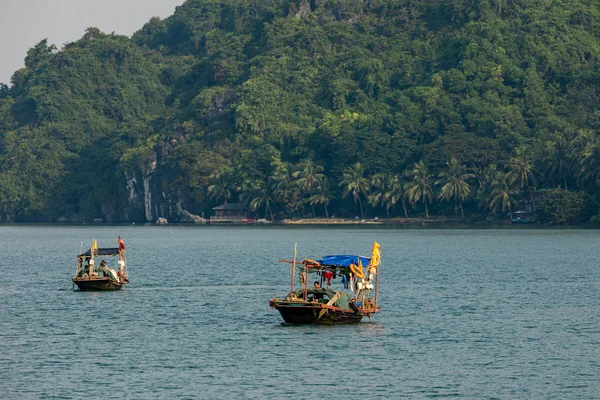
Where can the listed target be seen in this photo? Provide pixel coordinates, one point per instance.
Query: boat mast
(94, 247)
(123, 262)
(305, 280)
(79, 260)
(293, 268)
(376, 285)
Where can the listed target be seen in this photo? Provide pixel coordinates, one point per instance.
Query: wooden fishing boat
(319, 305)
(91, 277)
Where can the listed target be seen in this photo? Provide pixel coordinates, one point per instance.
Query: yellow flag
(376, 256)
(94, 245)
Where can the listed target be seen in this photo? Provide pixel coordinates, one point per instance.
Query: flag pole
(293, 269)
(305, 281)
(376, 286)
(92, 256)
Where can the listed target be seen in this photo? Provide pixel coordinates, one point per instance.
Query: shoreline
(389, 222)
(386, 221)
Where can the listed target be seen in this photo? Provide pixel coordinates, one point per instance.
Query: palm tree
(261, 196)
(380, 185)
(285, 191)
(355, 183)
(394, 194)
(322, 195)
(419, 188)
(558, 161)
(308, 177)
(283, 174)
(521, 169)
(590, 165)
(584, 138)
(455, 185)
(485, 178)
(503, 194)
(254, 194)
(223, 185)
(583, 146)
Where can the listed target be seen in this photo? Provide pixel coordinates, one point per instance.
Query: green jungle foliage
(399, 108)
(561, 206)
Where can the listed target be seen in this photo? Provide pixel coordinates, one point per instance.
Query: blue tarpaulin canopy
(113, 251)
(343, 261)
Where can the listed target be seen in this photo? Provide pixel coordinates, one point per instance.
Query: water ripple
(474, 314)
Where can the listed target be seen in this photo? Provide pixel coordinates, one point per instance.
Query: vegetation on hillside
(297, 108)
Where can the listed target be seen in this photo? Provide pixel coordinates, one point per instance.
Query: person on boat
(103, 268)
(346, 281)
(108, 272)
(318, 295)
(85, 270)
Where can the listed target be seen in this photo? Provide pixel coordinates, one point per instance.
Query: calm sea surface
(475, 314)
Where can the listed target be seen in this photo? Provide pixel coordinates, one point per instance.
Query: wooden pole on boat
(79, 260)
(91, 262)
(376, 286)
(293, 268)
(305, 281)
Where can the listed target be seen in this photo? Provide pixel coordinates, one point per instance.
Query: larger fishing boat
(91, 277)
(319, 305)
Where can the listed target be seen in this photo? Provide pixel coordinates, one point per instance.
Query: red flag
(121, 243)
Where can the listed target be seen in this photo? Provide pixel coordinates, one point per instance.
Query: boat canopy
(112, 251)
(343, 261)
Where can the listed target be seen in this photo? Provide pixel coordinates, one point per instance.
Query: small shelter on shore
(230, 213)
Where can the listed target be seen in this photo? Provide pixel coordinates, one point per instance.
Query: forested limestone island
(473, 110)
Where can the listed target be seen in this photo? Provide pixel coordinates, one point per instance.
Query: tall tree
(521, 169)
(285, 191)
(503, 195)
(455, 186)
(356, 184)
(308, 177)
(558, 163)
(394, 194)
(261, 194)
(419, 189)
(223, 185)
(485, 179)
(379, 186)
(590, 166)
(322, 195)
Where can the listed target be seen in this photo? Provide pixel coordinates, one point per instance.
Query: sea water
(466, 313)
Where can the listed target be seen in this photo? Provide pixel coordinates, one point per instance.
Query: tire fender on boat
(357, 271)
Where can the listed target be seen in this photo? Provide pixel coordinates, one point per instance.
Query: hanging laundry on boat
(329, 276)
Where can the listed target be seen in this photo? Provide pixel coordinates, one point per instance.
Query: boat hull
(306, 313)
(86, 284)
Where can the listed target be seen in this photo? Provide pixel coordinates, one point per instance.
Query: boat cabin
(324, 296)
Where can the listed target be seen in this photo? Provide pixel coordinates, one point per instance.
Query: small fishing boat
(91, 277)
(319, 305)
